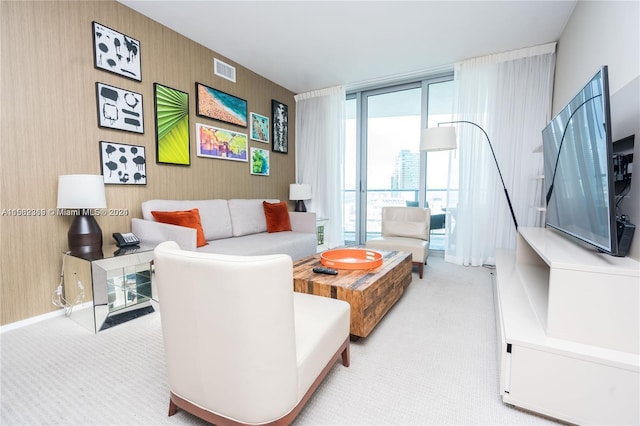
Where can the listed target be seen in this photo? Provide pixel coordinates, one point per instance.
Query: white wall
(606, 33)
(598, 33)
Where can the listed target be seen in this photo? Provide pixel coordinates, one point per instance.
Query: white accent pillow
(247, 216)
(214, 214)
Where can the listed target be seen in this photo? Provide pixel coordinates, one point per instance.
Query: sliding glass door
(383, 163)
(391, 154)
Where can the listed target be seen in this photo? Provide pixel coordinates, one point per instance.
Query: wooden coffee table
(370, 292)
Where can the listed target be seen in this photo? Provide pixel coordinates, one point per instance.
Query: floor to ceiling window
(441, 188)
(383, 163)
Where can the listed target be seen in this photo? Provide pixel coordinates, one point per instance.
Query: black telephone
(126, 240)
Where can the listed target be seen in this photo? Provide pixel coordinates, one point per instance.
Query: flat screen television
(578, 167)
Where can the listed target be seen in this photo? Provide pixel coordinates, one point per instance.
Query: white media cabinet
(568, 323)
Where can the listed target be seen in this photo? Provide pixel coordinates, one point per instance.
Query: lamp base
(84, 236)
(300, 207)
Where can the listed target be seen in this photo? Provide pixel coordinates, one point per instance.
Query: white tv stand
(568, 322)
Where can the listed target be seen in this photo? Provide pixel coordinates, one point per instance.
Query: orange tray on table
(351, 259)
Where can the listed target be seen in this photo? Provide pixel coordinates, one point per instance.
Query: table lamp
(82, 193)
(299, 192)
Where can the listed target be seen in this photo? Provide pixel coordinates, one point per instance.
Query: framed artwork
(123, 164)
(213, 142)
(119, 108)
(280, 125)
(116, 52)
(259, 128)
(221, 106)
(259, 161)
(172, 126)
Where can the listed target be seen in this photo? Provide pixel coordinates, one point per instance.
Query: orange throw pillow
(188, 218)
(277, 215)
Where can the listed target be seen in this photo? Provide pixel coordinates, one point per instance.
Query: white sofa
(235, 226)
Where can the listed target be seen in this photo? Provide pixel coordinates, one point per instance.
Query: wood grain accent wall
(49, 128)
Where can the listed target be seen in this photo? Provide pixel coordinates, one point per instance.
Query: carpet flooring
(431, 361)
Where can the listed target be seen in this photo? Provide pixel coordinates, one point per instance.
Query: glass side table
(323, 244)
(117, 286)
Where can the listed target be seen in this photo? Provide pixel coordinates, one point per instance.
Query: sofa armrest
(157, 232)
(303, 222)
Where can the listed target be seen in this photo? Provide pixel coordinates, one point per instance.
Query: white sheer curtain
(320, 116)
(509, 96)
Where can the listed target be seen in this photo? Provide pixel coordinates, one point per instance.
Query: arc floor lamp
(444, 138)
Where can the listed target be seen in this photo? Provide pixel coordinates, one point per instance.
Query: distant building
(407, 171)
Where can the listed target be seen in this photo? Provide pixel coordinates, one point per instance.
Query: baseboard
(32, 320)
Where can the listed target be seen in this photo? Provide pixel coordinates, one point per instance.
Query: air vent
(224, 70)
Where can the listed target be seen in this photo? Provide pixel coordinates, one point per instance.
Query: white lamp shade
(299, 191)
(81, 192)
(438, 139)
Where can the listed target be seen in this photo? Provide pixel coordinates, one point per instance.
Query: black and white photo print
(116, 52)
(280, 126)
(119, 109)
(123, 164)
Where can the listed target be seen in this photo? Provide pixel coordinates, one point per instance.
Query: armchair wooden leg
(346, 355)
(420, 266)
(173, 408)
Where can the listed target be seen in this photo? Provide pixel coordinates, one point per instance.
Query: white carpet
(431, 360)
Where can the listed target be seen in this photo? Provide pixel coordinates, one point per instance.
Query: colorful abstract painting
(213, 103)
(213, 142)
(259, 161)
(259, 128)
(172, 126)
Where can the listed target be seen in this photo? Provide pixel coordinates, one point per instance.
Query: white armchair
(405, 229)
(241, 347)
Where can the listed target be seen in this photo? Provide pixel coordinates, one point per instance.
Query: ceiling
(308, 45)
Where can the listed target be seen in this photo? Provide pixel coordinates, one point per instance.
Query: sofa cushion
(295, 244)
(277, 216)
(321, 326)
(188, 218)
(247, 216)
(418, 248)
(214, 214)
